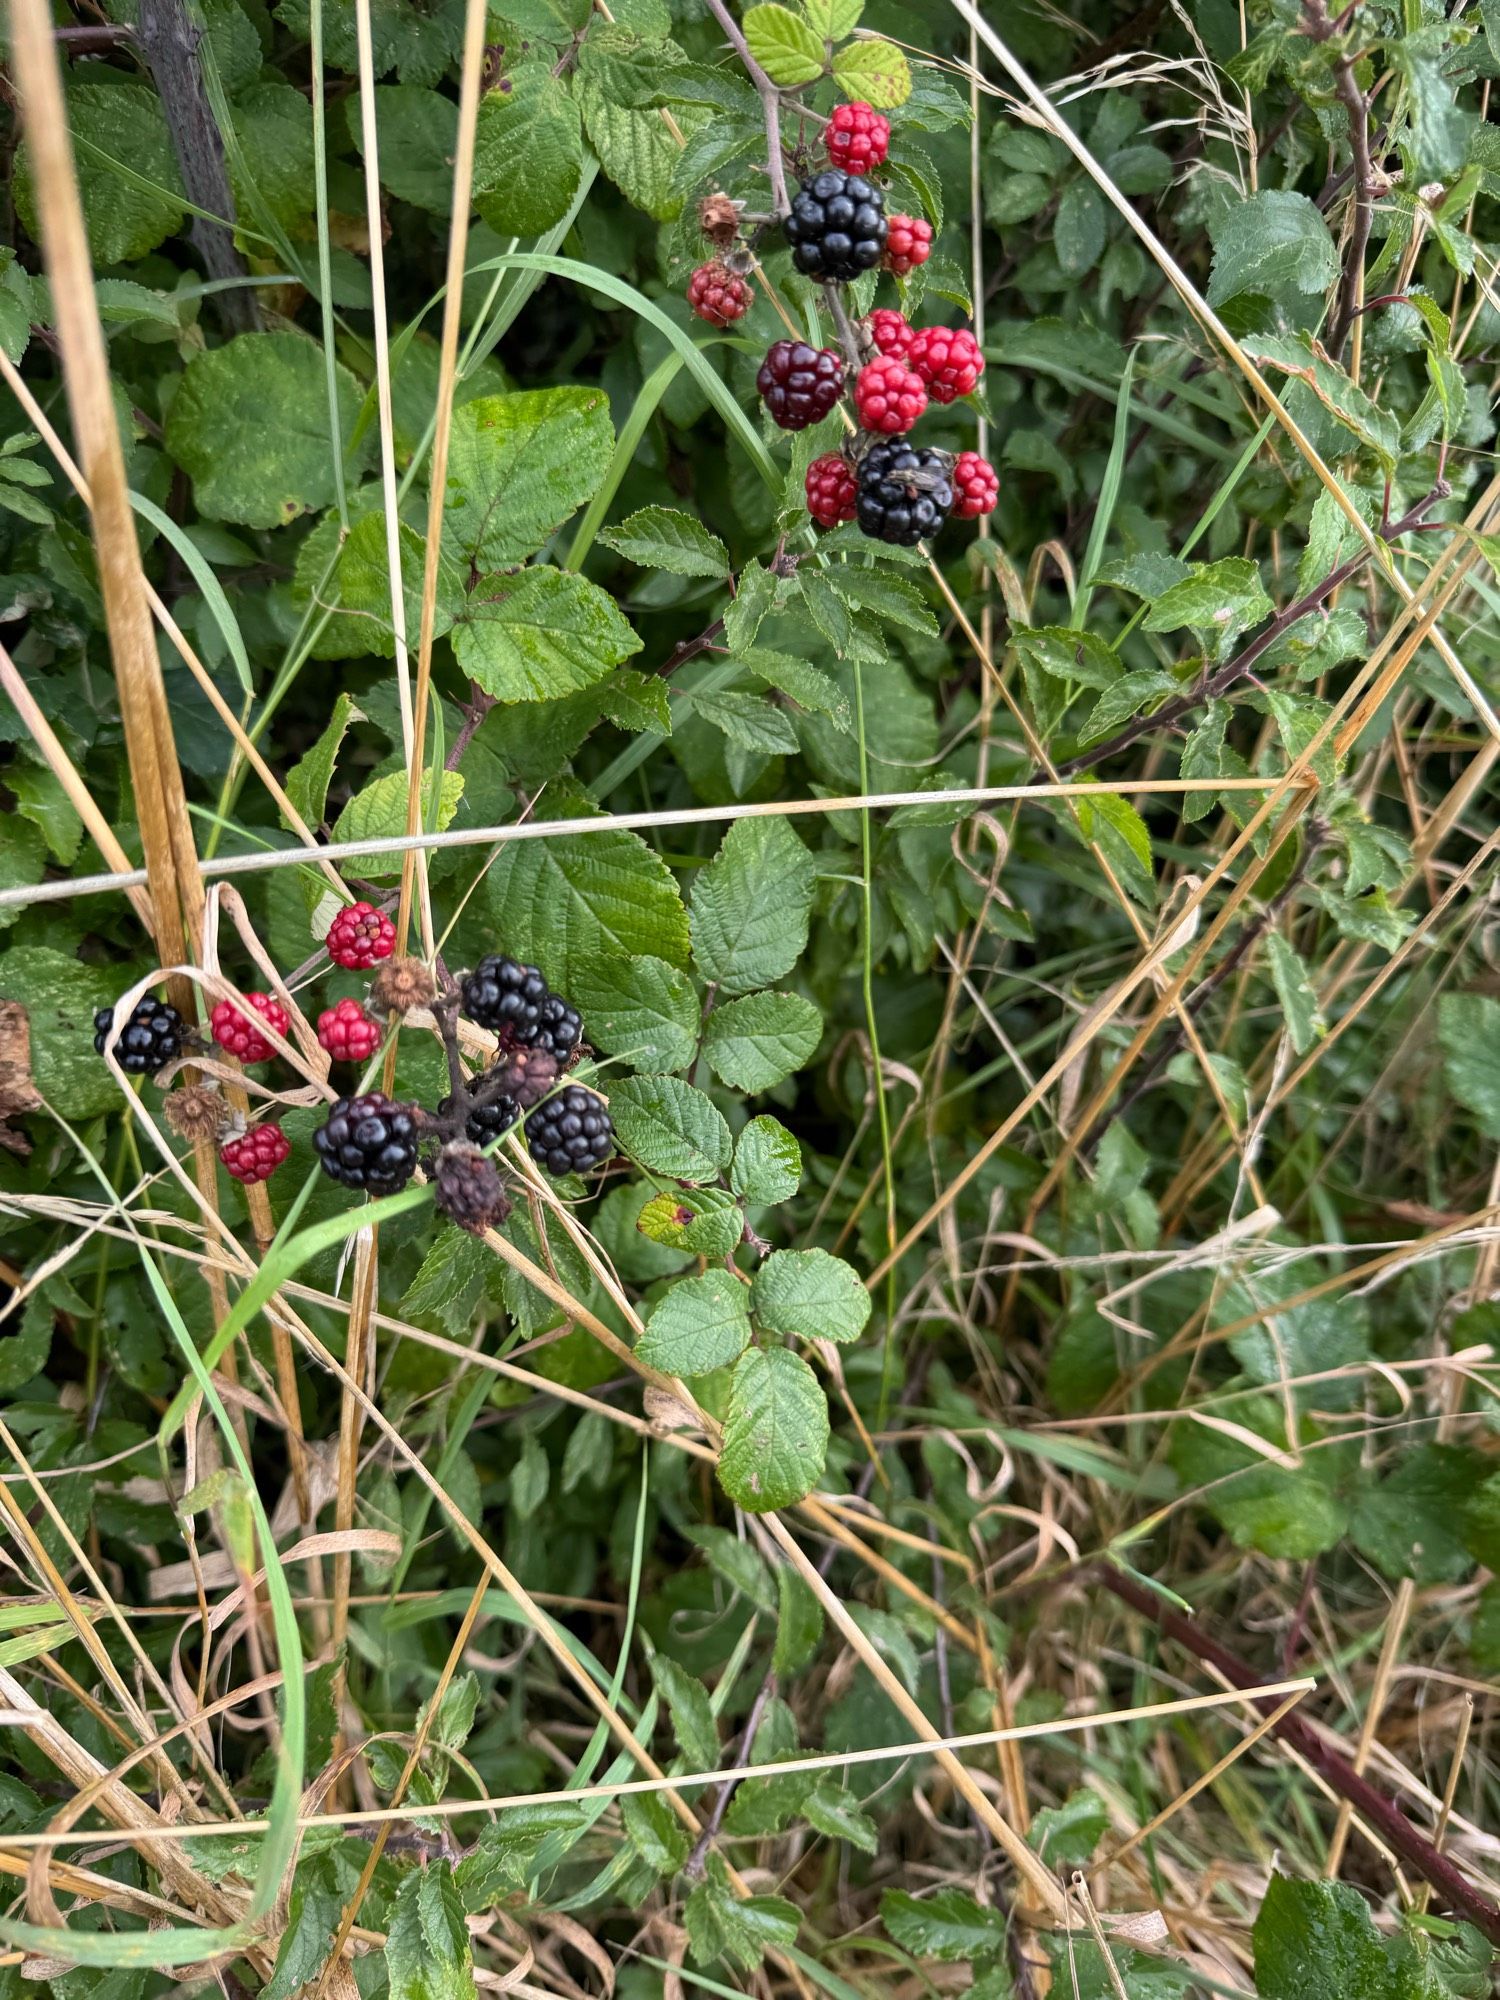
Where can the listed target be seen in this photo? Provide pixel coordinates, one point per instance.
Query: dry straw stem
(37, 416)
(1395, 1632)
(458, 238)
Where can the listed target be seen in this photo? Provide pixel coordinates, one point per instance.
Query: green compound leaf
(540, 634)
(787, 48)
(810, 1295)
(249, 426)
(775, 1433)
(751, 906)
(669, 1127)
(703, 1323)
(562, 902)
(875, 70)
(519, 465)
(751, 1044)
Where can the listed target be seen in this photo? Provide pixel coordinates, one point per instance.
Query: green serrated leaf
(703, 1323)
(519, 465)
(668, 1127)
(528, 152)
(775, 1431)
(751, 1044)
(562, 902)
(810, 1295)
(665, 538)
(751, 906)
(1294, 989)
(640, 1009)
(874, 70)
(540, 634)
(378, 812)
(767, 1162)
(787, 48)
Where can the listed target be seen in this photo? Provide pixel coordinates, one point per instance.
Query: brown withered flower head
(719, 218)
(401, 984)
(194, 1111)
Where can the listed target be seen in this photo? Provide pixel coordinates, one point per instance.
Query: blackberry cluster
(571, 1132)
(837, 226)
(484, 1122)
(904, 492)
(370, 1143)
(149, 1040)
(519, 1008)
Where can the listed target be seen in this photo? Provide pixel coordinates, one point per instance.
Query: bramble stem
(770, 100)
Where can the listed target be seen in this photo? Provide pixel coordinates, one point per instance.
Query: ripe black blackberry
(560, 1028)
(571, 1132)
(505, 996)
(149, 1040)
(489, 1120)
(837, 226)
(904, 492)
(369, 1142)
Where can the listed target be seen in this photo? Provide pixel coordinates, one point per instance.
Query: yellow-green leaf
(784, 45)
(876, 71)
(833, 19)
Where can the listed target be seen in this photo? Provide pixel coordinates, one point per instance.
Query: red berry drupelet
(888, 396)
(360, 937)
(256, 1154)
(830, 489)
(718, 294)
(948, 359)
(233, 1032)
(908, 243)
(800, 384)
(976, 486)
(891, 331)
(348, 1033)
(857, 137)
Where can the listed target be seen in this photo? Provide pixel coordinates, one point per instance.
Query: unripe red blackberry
(233, 1032)
(904, 493)
(888, 396)
(150, 1039)
(571, 1132)
(368, 1142)
(976, 486)
(837, 225)
(857, 137)
(890, 330)
(360, 937)
(908, 243)
(256, 1154)
(348, 1033)
(718, 294)
(830, 489)
(799, 384)
(948, 359)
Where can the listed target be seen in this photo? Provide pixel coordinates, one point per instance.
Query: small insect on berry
(904, 493)
(256, 1154)
(718, 294)
(890, 330)
(150, 1039)
(830, 490)
(233, 1032)
(857, 137)
(888, 396)
(908, 243)
(799, 384)
(348, 1033)
(360, 937)
(976, 486)
(948, 359)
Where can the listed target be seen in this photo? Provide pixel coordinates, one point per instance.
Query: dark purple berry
(903, 493)
(571, 1132)
(836, 226)
(369, 1142)
(149, 1040)
(799, 384)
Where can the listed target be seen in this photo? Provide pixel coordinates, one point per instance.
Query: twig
(476, 708)
(169, 41)
(1346, 87)
(693, 1866)
(1210, 686)
(770, 100)
(1381, 1813)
